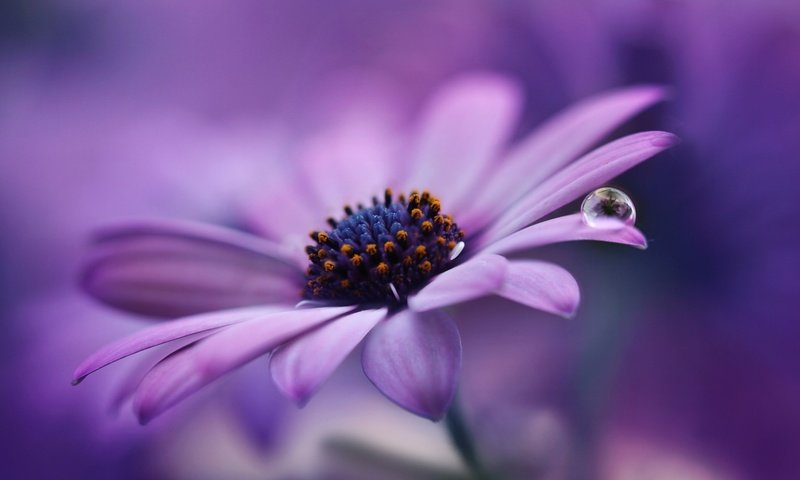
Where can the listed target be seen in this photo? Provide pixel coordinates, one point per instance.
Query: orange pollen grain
(356, 260)
(329, 266)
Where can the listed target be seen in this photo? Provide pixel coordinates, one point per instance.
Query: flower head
(385, 269)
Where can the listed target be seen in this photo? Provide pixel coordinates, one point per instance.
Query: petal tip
(639, 241)
(569, 314)
(657, 92)
(300, 397)
(664, 139)
(143, 415)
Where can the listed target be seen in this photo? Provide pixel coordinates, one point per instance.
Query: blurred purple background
(681, 364)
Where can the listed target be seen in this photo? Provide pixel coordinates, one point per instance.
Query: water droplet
(608, 208)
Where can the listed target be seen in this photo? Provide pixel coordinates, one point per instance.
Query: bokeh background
(681, 364)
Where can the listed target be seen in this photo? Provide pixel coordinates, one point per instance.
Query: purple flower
(382, 273)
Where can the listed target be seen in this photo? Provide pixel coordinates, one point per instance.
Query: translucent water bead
(608, 208)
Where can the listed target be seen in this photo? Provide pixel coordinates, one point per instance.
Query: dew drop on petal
(608, 208)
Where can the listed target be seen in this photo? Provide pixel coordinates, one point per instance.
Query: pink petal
(414, 359)
(541, 285)
(565, 229)
(163, 333)
(168, 268)
(590, 171)
(183, 373)
(472, 279)
(559, 141)
(300, 367)
(461, 131)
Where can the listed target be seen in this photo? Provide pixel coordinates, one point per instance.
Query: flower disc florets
(381, 253)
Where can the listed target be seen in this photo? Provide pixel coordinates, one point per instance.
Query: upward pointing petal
(461, 132)
(559, 141)
(591, 170)
(414, 359)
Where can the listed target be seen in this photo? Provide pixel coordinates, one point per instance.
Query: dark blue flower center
(381, 253)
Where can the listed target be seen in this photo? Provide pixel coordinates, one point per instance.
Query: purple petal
(167, 268)
(163, 333)
(474, 278)
(167, 383)
(357, 161)
(300, 367)
(461, 132)
(414, 359)
(559, 141)
(590, 171)
(565, 229)
(183, 373)
(289, 219)
(541, 285)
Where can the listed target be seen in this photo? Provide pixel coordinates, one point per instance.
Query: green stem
(463, 441)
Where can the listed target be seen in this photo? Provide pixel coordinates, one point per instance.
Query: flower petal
(541, 285)
(300, 367)
(474, 278)
(163, 333)
(184, 372)
(591, 170)
(414, 359)
(565, 229)
(167, 383)
(559, 141)
(169, 268)
(461, 132)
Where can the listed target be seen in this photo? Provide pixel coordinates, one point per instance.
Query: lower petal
(541, 285)
(166, 332)
(186, 371)
(477, 277)
(414, 359)
(300, 367)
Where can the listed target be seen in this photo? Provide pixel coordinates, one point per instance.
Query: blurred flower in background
(682, 359)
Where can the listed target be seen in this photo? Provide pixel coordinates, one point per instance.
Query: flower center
(382, 253)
